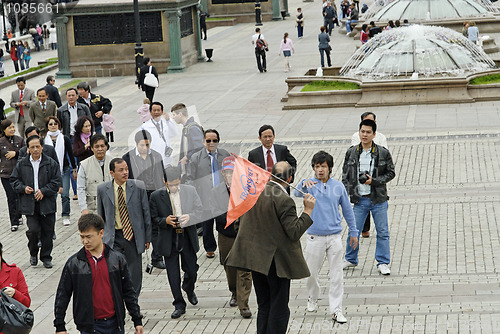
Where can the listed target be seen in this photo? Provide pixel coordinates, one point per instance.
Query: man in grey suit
(70, 112)
(204, 173)
(42, 109)
(21, 99)
(123, 204)
(175, 210)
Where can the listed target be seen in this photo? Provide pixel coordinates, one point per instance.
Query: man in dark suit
(268, 244)
(39, 111)
(69, 113)
(52, 91)
(21, 99)
(204, 173)
(267, 155)
(175, 209)
(98, 104)
(123, 204)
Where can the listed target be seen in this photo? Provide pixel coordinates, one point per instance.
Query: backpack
(260, 45)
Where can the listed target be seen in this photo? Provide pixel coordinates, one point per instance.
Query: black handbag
(15, 318)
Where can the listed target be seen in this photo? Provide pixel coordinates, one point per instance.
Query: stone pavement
(443, 215)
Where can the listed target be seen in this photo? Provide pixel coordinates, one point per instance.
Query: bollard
(258, 16)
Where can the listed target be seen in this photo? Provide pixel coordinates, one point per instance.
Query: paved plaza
(443, 210)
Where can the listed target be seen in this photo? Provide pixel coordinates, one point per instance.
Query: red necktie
(21, 107)
(270, 162)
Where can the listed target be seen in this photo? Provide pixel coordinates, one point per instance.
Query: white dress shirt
(273, 155)
(36, 168)
(73, 113)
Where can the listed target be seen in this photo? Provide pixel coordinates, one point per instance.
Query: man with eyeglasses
(204, 173)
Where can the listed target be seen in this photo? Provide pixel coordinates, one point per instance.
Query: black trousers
(209, 242)
(150, 92)
(204, 30)
(40, 228)
(155, 256)
(12, 202)
(188, 265)
(273, 294)
(134, 260)
(261, 55)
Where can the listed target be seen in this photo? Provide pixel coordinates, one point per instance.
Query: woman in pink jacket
(287, 48)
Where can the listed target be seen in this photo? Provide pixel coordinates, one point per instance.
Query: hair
(321, 157)
(283, 174)
(40, 89)
(322, 28)
(70, 89)
(31, 128)
(299, 8)
(211, 131)
(146, 101)
(264, 128)
(83, 84)
(26, 45)
(155, 104)
(391, 24)
(4, 125)
(113, 163)
(80, 122)
(284, 37)
(1, 250)
(363, 115)
(146, 60)
(142, 135)
(89, 221)
(50, 78)
(257, 29)
(397, 23)
(180, 108)
(472, 23)
(369, 122)
(52, 25)
(172, 173)
(13, 43)
(20, 79)
(372, 23)
(33, 138)
(405, 21)
(48, 119)
(363, 27)
(98, 136)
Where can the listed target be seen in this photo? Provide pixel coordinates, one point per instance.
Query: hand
(167, 116)
(75, 175)
(147, 245)
(309, 183)
(171, 220)
(28, 190)
(353, 242)
(60, 190)
(184, 161)
(24, 103)
(87, 145)
(9, 291)
(309, 202)
(38, 195)
(85, 212)
(10, 155)
(184, 219)
(139, 330)
(98, 114)
(369, 181)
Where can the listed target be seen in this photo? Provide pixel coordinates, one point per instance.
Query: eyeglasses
(53, 124)
(212, 140)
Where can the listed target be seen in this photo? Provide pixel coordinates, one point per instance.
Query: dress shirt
(273, 155)
(87, 100)
(212, 157)
(175, 201)
(280, 187)
(36, 168)
(365, 160)
(118, 221)
(43, 105)
(73, 112)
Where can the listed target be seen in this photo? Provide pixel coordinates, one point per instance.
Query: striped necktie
(128, 233)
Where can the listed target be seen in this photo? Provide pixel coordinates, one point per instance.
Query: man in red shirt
(96, 276)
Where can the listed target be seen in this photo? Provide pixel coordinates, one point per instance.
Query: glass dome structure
(429, 10)
(429, 51)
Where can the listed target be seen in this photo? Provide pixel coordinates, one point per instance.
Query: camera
(362, 178)
(149, 268)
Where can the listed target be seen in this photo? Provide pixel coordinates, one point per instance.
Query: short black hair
(363, 115)
(372, 23)
(20, 79)
(30, 139)
(89, 221)
(283, 174)
(40, 89)
(211, 131)
(142, 135)
(157, 104)
(83, 84)
(98, 136)
(31, 128)
(70, 89)
(146, 60)
(321, 157)
(172, 173)
(50, 78)
(113, 163)
(257, 29)
(369, 122)
(264, 128)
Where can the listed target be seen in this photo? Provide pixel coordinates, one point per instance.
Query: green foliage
(49, 62)
(329, 85)
(487, 79)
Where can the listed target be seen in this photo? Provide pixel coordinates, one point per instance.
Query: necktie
(270, 162)
(128, 233)
(215, 170)
(21, 107)
(43, 107)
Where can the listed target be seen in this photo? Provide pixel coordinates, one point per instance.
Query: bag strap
(150, 69)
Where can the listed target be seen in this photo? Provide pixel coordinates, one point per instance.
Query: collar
(44, 103)
(265, 150)
(173, 194)
(279, 185)
(138, 154)
(37, 161)
(73, 107)
(123, 186)
(209, 153)
(89, 255)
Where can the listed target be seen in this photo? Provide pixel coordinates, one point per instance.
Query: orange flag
(249, 181)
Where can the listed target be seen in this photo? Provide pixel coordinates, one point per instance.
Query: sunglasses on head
(212, 140)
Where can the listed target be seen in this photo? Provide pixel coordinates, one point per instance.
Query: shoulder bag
(15, 318)
(150, 79)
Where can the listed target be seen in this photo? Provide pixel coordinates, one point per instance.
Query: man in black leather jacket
(367, 169)
(99, 280)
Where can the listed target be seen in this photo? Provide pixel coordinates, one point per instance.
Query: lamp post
(5, 38)
(138, 51)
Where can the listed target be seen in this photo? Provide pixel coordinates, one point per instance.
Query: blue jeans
(109, 326)
(67, 176)
(379, 213)
(98, 129)
(329, 61)
(348, 25)
(300, 30)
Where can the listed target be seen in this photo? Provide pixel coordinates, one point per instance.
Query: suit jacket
(161, 208)
(53, 94)
(199, 173)
(29, 96)
(138, 211)
(271, 230)
(282, 154)
(38, 116)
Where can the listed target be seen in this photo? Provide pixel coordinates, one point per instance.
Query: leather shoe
(177, 313)
(159, 264)
(233, 302)
(210, 255)
(47, 264)
(33, 260)
(192, 298)
(365, 234)
(246, 313)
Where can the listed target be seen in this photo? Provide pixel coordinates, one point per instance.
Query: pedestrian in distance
(324, 47)
(299, 22)
(287, 48)
(261, 47)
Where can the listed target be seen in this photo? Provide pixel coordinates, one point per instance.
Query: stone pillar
(197, 28)
(286, 9)
(203, 5)
(174, 40)
(62, 48)
(276, 10)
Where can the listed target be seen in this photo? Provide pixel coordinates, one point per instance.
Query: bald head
(283, 170)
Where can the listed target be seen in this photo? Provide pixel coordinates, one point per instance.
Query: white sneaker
(66, 222)
(348, 264)
(384, 269)
(339, 317)
(347, 33)
(311, 305)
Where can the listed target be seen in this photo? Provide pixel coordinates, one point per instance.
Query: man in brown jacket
(39, 111)
(268, 244)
